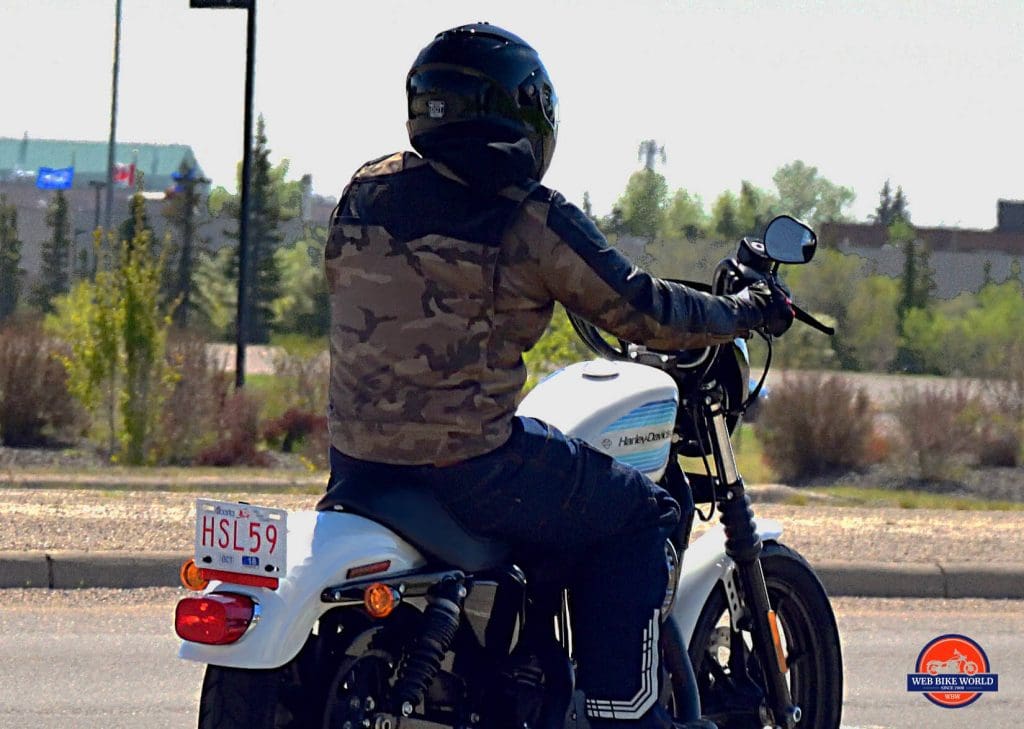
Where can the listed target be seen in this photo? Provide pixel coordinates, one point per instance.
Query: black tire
(238, 698)
(811, 639)
(289, 697)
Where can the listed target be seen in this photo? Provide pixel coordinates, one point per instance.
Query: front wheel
(729, 676)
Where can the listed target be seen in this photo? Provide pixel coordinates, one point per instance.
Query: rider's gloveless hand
(773, 303)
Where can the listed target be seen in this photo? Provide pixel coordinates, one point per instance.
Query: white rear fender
(322, 548)
(705, 564)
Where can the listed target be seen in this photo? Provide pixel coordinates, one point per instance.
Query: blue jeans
(562, 504)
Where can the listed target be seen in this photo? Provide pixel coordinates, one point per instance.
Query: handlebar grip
(810, 321)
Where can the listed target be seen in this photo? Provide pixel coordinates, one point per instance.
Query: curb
(68, 570)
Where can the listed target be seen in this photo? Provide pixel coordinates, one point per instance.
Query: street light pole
(242, 313)
(242, 316)
(108, 207)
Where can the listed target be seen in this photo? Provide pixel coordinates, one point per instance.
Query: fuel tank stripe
(655, 412)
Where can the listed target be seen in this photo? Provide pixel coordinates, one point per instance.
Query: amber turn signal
(192, 577)
(380, 599)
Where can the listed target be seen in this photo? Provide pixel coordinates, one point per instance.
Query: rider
(443, 268)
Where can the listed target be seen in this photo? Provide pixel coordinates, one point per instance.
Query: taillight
(216, 619)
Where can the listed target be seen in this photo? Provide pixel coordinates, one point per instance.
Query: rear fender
(705, 564)
(322, 548)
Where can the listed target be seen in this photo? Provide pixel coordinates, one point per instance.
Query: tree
(180, 211)
(918, 279)
(891, 209)
(725, 221)
(643, 204)
(824, 286)
(117, 332)
(755, 209)
(304, 306)
(685, 217)
(899, 207)
(11, 272)
(272, 201)
(804, 194)
(870, 331)
(137, 220)
(215, 297)
(56, 255)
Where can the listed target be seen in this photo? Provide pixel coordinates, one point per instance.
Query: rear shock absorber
(440, 621)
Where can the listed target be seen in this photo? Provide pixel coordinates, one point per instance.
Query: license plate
(240, 538)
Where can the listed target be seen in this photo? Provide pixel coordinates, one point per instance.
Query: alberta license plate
(241, 538)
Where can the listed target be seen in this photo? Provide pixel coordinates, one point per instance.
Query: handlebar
(803, 316)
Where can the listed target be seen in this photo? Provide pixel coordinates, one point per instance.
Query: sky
(927, 94)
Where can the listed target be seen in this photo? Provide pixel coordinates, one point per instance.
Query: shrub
(305, 377)
(937, 426)
(238, 425)
(997, 419)
(300, 431)
(34, 400)
(190, 420)
(998, 442)
(814, 424)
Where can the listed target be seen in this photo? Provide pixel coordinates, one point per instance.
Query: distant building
(21, 159)
(959, 256)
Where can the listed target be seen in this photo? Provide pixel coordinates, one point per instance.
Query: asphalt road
(106, 658)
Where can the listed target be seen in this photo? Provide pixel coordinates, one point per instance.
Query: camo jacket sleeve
(578, 268)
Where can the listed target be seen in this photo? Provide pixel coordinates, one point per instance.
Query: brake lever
(803, 316)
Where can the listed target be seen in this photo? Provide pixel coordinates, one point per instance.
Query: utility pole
(649, 149)
(242, 313)
(113, 118)
(98, 186)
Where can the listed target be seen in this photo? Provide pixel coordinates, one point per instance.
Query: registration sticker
(240, 538)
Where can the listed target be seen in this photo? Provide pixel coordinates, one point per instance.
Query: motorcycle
(959, 663)
(389, 614)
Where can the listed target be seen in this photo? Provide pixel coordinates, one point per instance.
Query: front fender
(705, 564)
(322, 547)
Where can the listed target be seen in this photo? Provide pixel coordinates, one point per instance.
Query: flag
(49, 178)
(180, 178)
(124, 174)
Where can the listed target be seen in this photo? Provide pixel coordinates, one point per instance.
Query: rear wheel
(729, 676)
(237, 698)
(293, 696)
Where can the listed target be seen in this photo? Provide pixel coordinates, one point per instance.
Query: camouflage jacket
(436, 291)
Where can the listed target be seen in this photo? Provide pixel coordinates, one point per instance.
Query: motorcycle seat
(419, 517)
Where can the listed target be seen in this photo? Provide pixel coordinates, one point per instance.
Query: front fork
(743, 545)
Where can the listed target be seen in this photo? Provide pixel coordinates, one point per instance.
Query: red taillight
(217, 619)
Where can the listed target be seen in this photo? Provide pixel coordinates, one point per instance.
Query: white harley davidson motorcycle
(389, 614)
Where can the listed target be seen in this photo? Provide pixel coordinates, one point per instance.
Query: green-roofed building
(20, 159)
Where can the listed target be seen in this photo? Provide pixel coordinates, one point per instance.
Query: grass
(875, 497)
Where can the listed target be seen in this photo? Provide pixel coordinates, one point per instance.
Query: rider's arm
(591, 278)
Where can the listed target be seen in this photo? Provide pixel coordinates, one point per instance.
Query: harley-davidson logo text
(644, 438)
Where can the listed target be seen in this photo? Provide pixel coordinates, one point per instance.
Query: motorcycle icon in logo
(952, 671)
(957, 664)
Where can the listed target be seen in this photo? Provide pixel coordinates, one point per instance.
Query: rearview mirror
(787, 240)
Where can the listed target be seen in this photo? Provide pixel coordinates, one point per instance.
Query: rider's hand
(774, 304)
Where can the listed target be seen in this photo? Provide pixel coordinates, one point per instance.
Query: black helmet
(481, 80)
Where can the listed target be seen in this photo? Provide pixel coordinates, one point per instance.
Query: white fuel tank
(625, 409)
